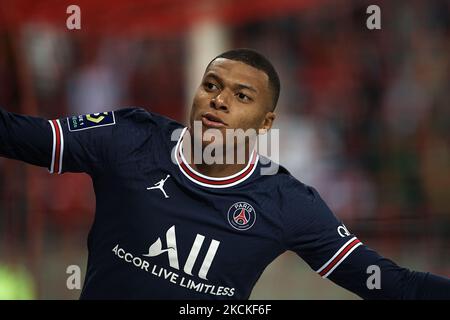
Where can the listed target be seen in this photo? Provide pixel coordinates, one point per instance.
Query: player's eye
(243, 97)
(210, 86)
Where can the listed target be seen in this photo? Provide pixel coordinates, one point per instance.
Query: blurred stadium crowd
(364, 117)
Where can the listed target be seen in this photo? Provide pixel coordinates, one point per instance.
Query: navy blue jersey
(164, 231)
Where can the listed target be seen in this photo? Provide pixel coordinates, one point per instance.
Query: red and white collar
(213, 182)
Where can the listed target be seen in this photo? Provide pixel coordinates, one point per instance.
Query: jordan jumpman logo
(160, 185)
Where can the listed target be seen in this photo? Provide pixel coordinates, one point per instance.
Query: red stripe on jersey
(57, 146)
(339, 257)
(195, 176)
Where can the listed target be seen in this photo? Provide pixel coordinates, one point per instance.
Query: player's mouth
(212, 121)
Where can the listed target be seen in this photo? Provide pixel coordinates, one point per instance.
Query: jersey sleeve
(314, 232)
(327, 246)
(85, 143)
(25, 138)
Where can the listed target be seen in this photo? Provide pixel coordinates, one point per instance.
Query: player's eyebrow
(238, 85)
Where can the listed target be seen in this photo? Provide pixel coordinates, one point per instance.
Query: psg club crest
(241, 216)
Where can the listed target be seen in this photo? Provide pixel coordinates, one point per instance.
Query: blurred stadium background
(364, 116)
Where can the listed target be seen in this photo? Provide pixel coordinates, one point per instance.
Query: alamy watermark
(73, 281)
(373, 22)
(374, 280)
(228, 146)
(73, 21)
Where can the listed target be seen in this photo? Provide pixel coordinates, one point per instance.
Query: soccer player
(170, 227)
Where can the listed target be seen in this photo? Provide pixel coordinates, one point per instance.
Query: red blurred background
(363, 116)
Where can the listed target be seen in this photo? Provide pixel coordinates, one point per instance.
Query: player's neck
(218, 170)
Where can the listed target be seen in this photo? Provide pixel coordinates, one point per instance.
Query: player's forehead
(237, 72)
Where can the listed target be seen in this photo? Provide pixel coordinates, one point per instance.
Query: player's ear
(267, 123)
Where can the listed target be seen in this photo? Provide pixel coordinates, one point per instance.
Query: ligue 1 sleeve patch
(89, 121)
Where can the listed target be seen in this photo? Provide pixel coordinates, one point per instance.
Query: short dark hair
(258, 61)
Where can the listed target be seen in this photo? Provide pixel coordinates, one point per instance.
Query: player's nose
(220, 102)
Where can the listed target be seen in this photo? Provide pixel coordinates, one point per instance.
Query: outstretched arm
(73, 144)
(370, 276)
(317, 236)
(26, 138)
